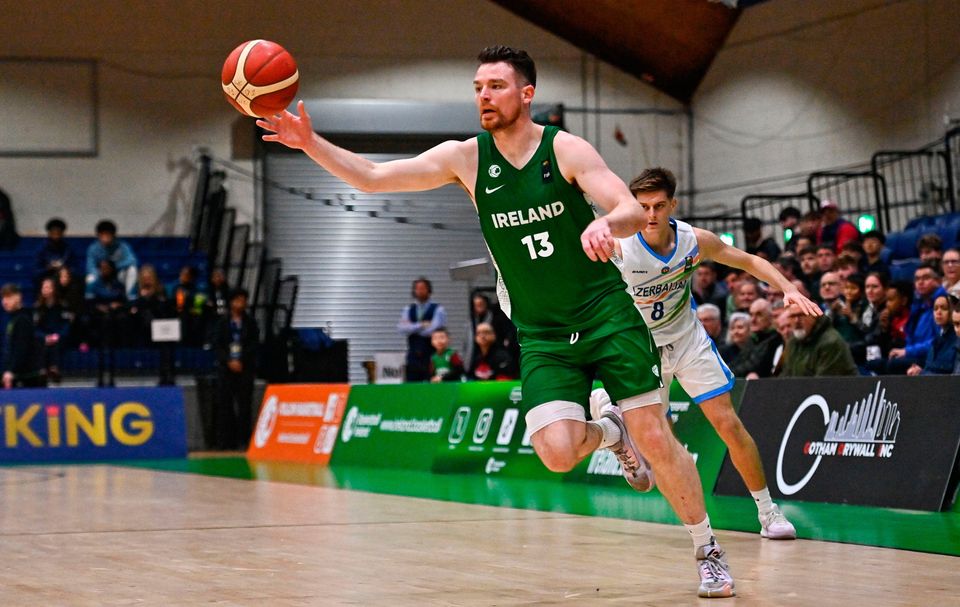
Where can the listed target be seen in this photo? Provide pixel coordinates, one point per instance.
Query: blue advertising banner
(91, 424)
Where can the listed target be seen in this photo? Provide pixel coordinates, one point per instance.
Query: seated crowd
(112, 307)
(871, 324)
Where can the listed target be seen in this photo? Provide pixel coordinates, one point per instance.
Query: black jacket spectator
(22, 352)
(54, 253)
(235, 341)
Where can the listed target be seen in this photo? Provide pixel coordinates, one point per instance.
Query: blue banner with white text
(91, 424)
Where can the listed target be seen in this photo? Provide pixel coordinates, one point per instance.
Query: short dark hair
(425, 281)
(826, 245)
(854, 246)
(857, 279)
(930, 265)
(811, 216)
(876, 234)
(752, 224)
(807, 251)
(106, 226)
(9, 288)
(930, 241)
(904, 288)
(655, 179)
(56, 224)
(518, 59)
(789, 212)
(239, 292)
(441, 330)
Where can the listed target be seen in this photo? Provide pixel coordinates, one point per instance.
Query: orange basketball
(260, 78)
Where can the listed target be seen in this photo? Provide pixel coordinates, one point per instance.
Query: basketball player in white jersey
(657, 264)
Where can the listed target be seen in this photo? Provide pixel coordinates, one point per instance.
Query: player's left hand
(795, 298)
(598, 241)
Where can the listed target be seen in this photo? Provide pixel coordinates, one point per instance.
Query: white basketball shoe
(775, 526)
(636, 469)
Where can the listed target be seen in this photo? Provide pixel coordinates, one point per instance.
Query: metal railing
(856, 193)
(767, 208)
(917, 183)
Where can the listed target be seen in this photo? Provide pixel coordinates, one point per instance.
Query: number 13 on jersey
(543, 247)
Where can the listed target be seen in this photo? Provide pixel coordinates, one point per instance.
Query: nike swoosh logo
(492, 190)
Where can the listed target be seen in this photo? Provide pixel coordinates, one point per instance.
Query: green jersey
(532, 219)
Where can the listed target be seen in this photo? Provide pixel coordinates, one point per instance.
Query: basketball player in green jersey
(575, 319)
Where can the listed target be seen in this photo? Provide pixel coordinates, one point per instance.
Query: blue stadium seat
(902, 245)
(903, 269)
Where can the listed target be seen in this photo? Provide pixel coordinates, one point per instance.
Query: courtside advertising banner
(298, 423)
(487, 434)
(879, 441)
(90, 424)
(395, 426)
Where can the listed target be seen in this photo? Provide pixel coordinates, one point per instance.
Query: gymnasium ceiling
(666, 43)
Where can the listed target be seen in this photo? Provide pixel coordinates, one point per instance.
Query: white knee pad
(543, 415)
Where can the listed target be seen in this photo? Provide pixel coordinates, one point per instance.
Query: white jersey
(660, 284)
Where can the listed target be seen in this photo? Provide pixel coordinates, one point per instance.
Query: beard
(498, 121)
(800, 333)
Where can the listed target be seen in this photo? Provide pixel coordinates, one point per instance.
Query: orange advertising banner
(298, 423)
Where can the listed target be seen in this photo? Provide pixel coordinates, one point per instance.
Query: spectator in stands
(109, 247)
(855, 250)
(748, 291)
(22, 353)
(951, 271)
(757, 360)
(870, 347)
(738, 338)
(482, 310)
(830, 293)
(70, 291)
(802, 241)
(930, 248)
(54, 253)
(848, 317)
(784, 325)
(151, 304)
(920, 330)
(788, 265)
(893, 323)
(218, 292)
(835, 229)
(815, 349)
(106, 302)
(236, 338)
(8, 224)
(710, 318)
(756, 244)
(790, 220)
(490, 361)
(809, 270)
(52, 322)
(706, 289)
(955, 316)
(826, 258)
(445, 364)
(846, 266)
(873, 243)
(810, 225)
(418, 321)
(942, 355)
(188, 303)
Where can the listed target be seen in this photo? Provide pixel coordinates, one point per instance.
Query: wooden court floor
(106, 535)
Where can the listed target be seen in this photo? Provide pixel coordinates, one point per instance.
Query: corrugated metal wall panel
(355, 270)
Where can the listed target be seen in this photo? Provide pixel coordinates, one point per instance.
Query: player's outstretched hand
(292, 130)
(597, 240)
(796, 299)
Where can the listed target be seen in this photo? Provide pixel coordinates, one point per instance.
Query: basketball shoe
(715, 578)
(636, 469)
(774, 525)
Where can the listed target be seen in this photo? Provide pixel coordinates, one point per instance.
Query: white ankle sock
(764, 503)
(610, 431)
(701, 533)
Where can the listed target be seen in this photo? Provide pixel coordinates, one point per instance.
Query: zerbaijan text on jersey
(660, 284)
(532, 219)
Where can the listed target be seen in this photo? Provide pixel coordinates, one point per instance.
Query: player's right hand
(598, 241)
(292, 130)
